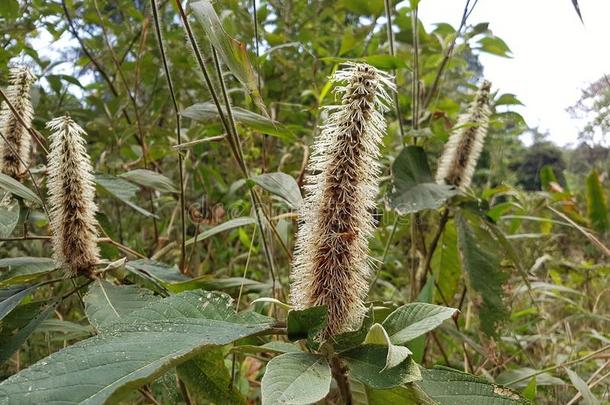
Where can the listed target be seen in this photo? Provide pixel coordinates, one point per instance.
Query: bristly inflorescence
(71, 196)
(331, 264)
(462, 150)
(15, 146)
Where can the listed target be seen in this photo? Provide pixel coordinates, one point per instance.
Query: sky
(554, 55)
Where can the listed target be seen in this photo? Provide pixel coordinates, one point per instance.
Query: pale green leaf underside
(296, 378)
(415, 319)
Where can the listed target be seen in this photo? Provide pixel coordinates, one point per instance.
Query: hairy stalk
(71, 195)
(462, 150)
(331, 263)
(172, 93)
(15, 148)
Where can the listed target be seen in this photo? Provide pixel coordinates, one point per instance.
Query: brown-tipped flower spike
(71, 194)
(462, 150)
(15, 151)
(331, 263)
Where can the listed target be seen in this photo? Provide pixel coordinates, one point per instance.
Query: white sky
(554, 56)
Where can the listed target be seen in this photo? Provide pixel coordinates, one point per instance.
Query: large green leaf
(207, 111)
(449, 387)
(19, 325)
(232, 52)
(132, 351)
(123, 190)
(14, 187)
(281, 185)
(225, 226)
(482, 265)
(150, 179)
(596, 203)
(414, 188)
(9, 216)
(415, 319)
(495, 46)
(106, 303)
(295, 378)
(367, 364)
(208, 379)
(21, 270)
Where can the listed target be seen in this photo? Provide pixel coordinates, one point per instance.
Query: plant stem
(339, 373)
(433, 244)
(388, 16)
(564, 364)
(172, 93)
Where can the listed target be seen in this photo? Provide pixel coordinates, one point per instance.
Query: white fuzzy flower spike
(15, 156)
(71, 197)
(462, 150)
(331, 263)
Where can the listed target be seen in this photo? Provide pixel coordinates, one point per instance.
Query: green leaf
(446, 263)
(150, 179)
(364, 7)
(409, 394)
(133, 351)
(207, 111)
(414, 188)
(9, 217)
(19, 325)
(508, 99)
(396, 354)
(208, 379)
(295, 378)
(14, 187)
(351, 339)
(281, 185)
(225, 226)
(306, 323)
(11, 297)
(9, 9)
(587, 396)
(449, 387)
(24, 270)
(495, 46)
(159, 271)
(597, 208)
(123, 190)
(482, 265)
(367, 364)
(106, 303)
(232, 52)
(415, 319)
(531, 390)
(522, 374)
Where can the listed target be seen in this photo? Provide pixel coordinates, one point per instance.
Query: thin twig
(170, 85)
(564, 364)
(388, 15)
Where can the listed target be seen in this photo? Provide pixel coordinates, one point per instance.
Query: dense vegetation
(199, 121)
